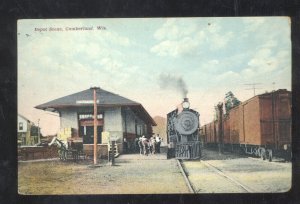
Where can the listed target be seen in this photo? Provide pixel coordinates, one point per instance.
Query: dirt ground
(133, 174)
(256, 175)
(136, 174)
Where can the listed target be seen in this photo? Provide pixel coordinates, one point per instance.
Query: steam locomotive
(183, 133)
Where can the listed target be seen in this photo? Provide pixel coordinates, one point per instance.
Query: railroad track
(186, 179)
(221, 173)
(218, 171)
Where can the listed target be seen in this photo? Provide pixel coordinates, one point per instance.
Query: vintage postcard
(154, 105)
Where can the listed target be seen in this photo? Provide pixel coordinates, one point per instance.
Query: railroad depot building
(117, 116)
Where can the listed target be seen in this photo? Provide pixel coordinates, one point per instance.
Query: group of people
(148, 145)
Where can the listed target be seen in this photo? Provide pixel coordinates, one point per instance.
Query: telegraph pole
(273, 86)
(95, 124)
(253, 87)
(220, 126)
(39, 139)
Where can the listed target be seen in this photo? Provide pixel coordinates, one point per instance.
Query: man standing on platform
(158, 141)
(125, 146)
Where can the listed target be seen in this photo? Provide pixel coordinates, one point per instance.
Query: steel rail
(215, 169)
(187, 181)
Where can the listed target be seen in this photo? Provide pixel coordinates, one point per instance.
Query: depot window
(20, 126)
(87, 116)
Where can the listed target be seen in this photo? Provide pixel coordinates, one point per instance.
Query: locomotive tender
(183, 133)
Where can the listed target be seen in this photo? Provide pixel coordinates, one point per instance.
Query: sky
(154, 61)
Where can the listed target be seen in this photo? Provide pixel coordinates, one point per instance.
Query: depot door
(86, 128)
(87, 132)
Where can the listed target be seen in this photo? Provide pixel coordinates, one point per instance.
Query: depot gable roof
(104, 99)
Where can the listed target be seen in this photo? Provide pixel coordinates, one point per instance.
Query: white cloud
(219, 41)
(174, 29)
(265, 61)
(182, 37)
(248, 73)
(116, 38)
(214, 27)
(112, 65)
(175, 48)
(72, 57)
(260, 58)
(270, 44)
(209, 66)
(253, 24)
(228, 76)
(270, 32)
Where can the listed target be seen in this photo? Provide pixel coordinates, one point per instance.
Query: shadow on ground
(213, 154)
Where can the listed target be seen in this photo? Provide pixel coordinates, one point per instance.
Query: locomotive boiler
(183, 133)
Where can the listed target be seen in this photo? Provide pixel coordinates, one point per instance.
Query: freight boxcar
(260, 126)
(209, 134)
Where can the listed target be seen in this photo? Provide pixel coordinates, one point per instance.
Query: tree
(230, 101)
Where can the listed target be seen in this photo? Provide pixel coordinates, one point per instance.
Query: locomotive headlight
(185, 103)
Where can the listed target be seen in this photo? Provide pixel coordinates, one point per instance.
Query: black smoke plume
(168, 81)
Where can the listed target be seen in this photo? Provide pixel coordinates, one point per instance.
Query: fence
(31, 153)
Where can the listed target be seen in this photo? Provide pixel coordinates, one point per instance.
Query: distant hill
(161, 127)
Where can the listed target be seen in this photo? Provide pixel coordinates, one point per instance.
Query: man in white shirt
(158, 141)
